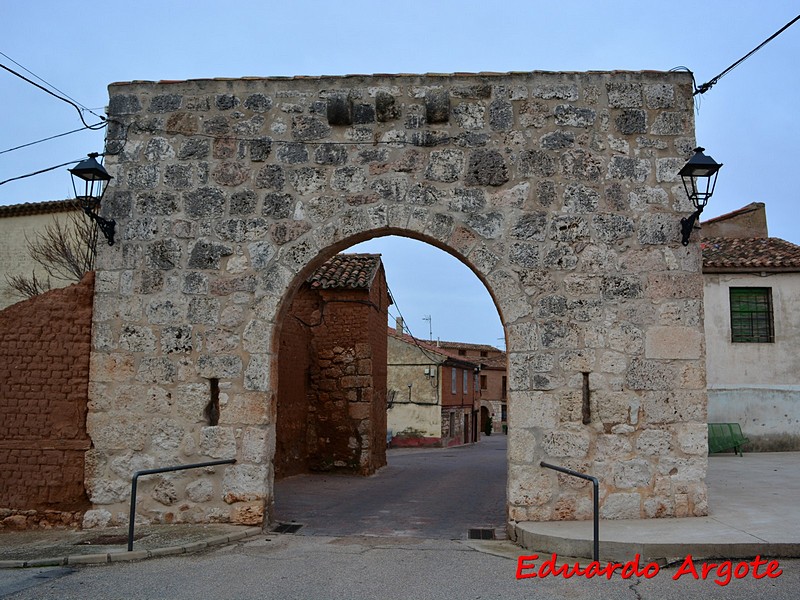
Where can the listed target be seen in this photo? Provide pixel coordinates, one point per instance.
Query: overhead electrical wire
(405, 325)
(24, 68)
(62, 98)
(52, 137)
(40, 171)
(702, 89)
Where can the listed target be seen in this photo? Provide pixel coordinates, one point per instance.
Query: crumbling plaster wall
(558, 189)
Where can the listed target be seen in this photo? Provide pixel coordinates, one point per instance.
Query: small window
(483, 382)
(484, 354)
(453, 382)
(751, 315)
(462, 352)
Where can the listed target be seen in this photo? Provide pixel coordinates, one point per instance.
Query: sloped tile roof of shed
(346, 271)
(749, 255)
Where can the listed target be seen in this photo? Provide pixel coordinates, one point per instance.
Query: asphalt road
(354, 568)
(399, 535)
(433, 493)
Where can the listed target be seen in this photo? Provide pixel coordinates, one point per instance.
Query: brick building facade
(493, 380)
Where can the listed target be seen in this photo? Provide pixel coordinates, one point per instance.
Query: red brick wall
(464, 401)
(331, 409)
(294, 372)
(44, 378)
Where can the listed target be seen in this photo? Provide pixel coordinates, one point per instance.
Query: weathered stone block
(486, 167)
(564, 443)
(244, 483)
(437, 106)
(676, 342)
(217, 442)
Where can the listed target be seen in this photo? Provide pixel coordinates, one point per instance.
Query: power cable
(62, 98)
(24, 68)
(52, 137)
(411, 335)
(708, 85)
(39, 172)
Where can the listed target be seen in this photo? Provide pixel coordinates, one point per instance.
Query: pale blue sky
(748, 121)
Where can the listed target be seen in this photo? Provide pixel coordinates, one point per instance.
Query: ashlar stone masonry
(560, 192)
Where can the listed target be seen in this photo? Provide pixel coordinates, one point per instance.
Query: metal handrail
(596, 503)
(138, 474)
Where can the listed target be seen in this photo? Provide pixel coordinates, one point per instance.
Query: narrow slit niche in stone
(212, 408)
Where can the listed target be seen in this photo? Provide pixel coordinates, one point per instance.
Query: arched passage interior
(354, 337)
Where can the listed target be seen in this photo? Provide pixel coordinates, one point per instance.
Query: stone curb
(114, 557)
(663, 553)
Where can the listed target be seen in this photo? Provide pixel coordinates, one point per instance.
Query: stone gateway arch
(559, 190)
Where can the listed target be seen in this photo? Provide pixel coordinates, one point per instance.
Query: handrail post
(135, 478)
(595, 503)
(132, 517)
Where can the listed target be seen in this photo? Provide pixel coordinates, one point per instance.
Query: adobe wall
(414, 416)
(332, 382)
(44, 374)
(294, 383)
(558, 190)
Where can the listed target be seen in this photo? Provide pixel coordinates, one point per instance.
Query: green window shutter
(751, 315)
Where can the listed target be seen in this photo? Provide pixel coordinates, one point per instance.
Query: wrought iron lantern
(95, 181)
(699, 176)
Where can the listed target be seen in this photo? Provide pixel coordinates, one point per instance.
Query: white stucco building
(752, 320)
(20, 223)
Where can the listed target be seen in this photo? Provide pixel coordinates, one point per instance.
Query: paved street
(352, 568)
(436, 493)
(400, 535)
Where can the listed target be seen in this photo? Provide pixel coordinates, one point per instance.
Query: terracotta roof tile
(37, 208)
(346, 271)
(466, 346)
(749, 254)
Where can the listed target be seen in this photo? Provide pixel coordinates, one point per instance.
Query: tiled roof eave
(38, 208)
(708, 270)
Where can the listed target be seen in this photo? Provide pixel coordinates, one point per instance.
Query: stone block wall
(44, 375)
(559, 190)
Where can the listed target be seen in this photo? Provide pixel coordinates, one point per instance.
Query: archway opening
(386, 358)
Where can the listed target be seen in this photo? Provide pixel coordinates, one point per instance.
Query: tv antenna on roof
(430, 326)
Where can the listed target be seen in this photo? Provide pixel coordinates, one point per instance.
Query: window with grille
(751, 315)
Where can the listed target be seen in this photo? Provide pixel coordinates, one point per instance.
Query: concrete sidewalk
(753, 509)
(61, 547)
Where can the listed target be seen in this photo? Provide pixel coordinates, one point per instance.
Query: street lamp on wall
(95, 181)
(699, 176)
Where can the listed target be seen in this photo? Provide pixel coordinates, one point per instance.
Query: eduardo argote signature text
(721, 572)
